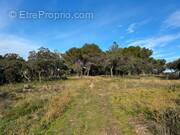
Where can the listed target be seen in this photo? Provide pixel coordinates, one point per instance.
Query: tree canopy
(89, 59)
(175, 65)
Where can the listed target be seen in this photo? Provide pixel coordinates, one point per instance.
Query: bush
(167, 122)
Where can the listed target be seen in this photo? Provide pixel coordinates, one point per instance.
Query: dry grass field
(91, 106)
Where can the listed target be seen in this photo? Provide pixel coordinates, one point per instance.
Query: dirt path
(89, 114)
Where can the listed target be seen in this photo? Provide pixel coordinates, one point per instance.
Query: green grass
(92, 106)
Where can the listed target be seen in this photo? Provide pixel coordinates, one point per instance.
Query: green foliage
(90, 59)
(11, 68)
(92, 56)
(175, 65)
(44, 64)
(138, 52)
(73, 59)
(85, 60)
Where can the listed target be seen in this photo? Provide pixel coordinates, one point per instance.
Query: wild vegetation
(112, 92)
(87, 60)
(92, 105)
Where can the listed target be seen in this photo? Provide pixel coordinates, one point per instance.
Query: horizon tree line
(44, 64)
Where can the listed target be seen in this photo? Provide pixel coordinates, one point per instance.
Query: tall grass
(153, 101)
(85, 105)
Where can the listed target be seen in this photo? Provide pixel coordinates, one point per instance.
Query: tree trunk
(39, 73)
(129, 73)
(81, 73)
(88, 70)
(24, 74)
(51, 76)
(143, 73)
(112, 71)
